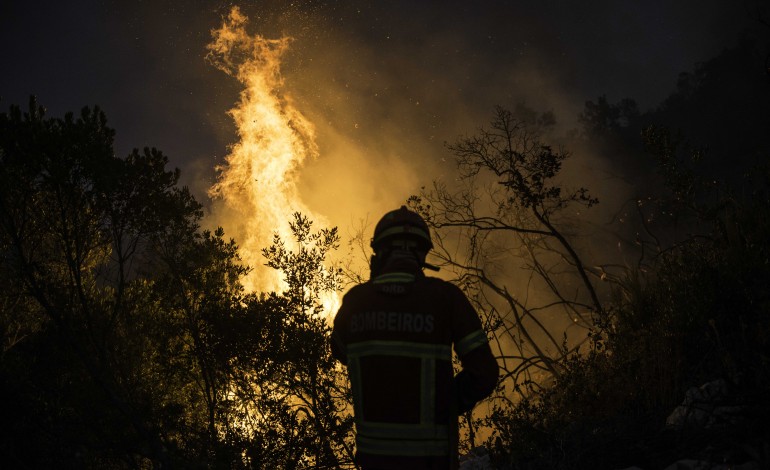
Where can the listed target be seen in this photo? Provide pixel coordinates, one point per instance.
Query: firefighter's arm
(337, 338)
(337, 347)
(478, 376)
(479, 373)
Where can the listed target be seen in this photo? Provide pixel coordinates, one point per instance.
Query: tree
(691, 312)
(287, 398)
(314, 380)
(688, 310)
(508, 206)
(501, 229)
(85, 361)
(128, 339)
(604, 120)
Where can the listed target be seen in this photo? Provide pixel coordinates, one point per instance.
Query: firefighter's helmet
(401, 224)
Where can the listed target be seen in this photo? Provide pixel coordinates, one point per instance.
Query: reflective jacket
(395, 333)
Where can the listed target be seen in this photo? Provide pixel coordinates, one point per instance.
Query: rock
(690, 464)
(705, 407)
(476, 459)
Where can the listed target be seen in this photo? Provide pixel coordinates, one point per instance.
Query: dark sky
(388, 81)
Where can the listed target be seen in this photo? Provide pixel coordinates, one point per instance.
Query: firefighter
(395, 333)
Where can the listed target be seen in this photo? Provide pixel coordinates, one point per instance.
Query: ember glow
(258, 182)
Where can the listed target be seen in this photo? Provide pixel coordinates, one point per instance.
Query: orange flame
(258, 183)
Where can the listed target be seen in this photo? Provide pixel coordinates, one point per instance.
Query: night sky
(385, 83)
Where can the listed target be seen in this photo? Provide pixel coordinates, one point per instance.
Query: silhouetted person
(395, 334)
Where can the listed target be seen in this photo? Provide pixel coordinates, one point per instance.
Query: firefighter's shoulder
(446, 288)
(358, 290)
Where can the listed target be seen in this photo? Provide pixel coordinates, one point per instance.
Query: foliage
(128, 341)
(692, 309)
(502, 230)
(691, 312)
(702, 315)
(604, 120)
(71, 227)
(720, 105)
(313, 391)
(504, 234)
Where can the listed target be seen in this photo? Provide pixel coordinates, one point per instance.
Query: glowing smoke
(257, 184)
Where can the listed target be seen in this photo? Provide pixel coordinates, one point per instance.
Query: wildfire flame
(258, 182)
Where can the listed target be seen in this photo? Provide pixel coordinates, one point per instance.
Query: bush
(700, 312)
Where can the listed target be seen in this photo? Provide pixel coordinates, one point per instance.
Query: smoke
(384, 107)
(369, 94)
(345, 130)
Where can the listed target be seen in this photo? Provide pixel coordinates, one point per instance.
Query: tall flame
(258, 183)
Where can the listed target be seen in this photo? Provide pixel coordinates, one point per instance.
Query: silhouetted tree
(501, 229)
(689, 308)
(128, 340)
(313, 380)
(73, 219)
